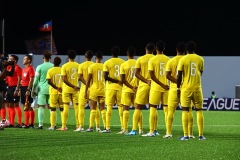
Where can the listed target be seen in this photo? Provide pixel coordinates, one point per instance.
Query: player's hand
(76, 88)
(120, 83)
(86, 96)
(59, 89)
(33, 94)
(134, 89)
(166, 87)
(27, 93)
(149, 82)
(178, 93)
(15, 93)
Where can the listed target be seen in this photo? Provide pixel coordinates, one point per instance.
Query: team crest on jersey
(24, 74)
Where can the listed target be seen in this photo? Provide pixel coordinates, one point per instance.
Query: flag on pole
(46, 26)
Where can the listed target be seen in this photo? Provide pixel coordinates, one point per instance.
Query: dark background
(98, 25)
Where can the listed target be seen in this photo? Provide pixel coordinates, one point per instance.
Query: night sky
(98, 25)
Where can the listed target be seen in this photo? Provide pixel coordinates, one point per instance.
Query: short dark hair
(131, 51)
(29, 57)
(191, 46)
(115, 51)
(15, 58)
(160, 45)
(150, 46)
(89, 54)
(99, 54)
(57, 61)
(47, 54)
(72, 54)
(181, 47)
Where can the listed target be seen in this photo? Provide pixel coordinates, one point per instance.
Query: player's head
(57, 61)
(71, 54)
(47, 55)
(131, 51)
(14, 58)
(115, 51)
(181, 47)
(213, 92)
(160, 46)
(150, 47)
(191, 46)
(89, 54)
(99, 55)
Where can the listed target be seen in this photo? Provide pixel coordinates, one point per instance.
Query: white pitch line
(193, 125)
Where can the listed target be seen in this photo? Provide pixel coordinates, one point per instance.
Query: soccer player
(55, 91)
(12, 97)
(142, 95)
(111, 70)
(28, 73)
(190, 68)
(41, 84)
(70, 88)
(96, 92)
(173, 100)
(82, 76)
(159, 87)
(129, 88)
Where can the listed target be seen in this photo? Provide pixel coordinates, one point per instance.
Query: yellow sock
(97, 118)
(65, 115)
(81, 107)
(108, 116)
(152, 118)
(190, 122)
(200, 120)
(92, 118)
(185, 122)
(103, 112)
(61, 114)
(120, 111)
(136, 117)
(76, 111)
(171, 111)
(125, 120)
(53, 119)
(156, 120)
(165, 109)
(140, 121)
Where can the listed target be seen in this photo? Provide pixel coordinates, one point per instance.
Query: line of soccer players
(124, 83)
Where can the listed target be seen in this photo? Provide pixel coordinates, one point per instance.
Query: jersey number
(117, 70)
(100, 75)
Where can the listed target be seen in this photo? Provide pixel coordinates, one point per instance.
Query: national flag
(46, 26)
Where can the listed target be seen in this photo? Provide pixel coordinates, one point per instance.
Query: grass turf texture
(222, 130)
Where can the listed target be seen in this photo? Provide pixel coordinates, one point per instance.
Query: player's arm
(139, 76)
(154, 78)
(65, 80)
(30, 85)
(36, 81)
(81, 78)
(170, 77)
(87, 85)
(124, 81)
(107, 78)
(19, 78)
(53, 85)
(179, 81)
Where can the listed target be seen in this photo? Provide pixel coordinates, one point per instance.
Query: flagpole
(51, 39)
(3, 37)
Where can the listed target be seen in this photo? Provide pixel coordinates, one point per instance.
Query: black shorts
(10, 95)
(23, 97)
